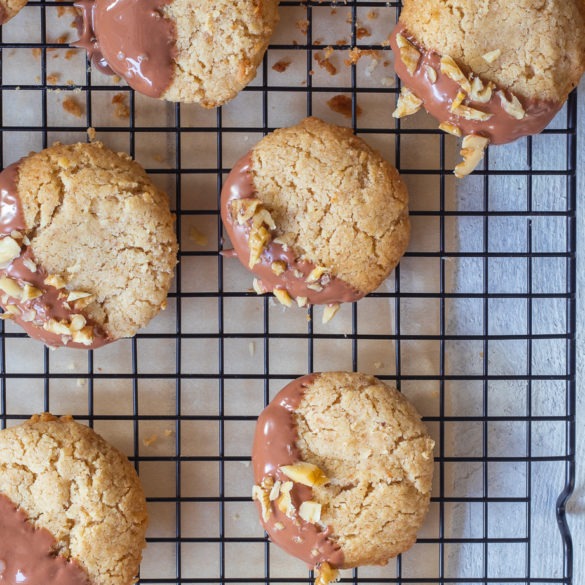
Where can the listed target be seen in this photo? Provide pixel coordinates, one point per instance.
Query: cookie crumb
(372, 15)
(121, 109)
(53, 78)
(282, 65)
(169, 432)
(62, 40)
(356, 54)
(341, 104)
(303, 26)
(91, 134)
(70, 53)
(150, 440)
(378, 365)
(36, 53)
(362, 32)
(81, 382)
(199, 238)
(324, 63)
(73, 107)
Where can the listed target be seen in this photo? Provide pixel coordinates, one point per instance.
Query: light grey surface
(576, 507)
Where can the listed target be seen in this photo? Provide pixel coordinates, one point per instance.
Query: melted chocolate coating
(131, 38)
(27, 554)
(52, 304)
(240, 185)
(274, 446)
(437, 99)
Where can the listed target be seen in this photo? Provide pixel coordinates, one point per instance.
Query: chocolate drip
(131, 38)
(274, 446)
(437, 98)
(27, 553)
(240, 185)
(52, 303)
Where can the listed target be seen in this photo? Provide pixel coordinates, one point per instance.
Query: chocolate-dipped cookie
(343, 470)
(10, 8)
(179, 50)
(316, 214)
(490, 71)
(72, 510)
(87, 246)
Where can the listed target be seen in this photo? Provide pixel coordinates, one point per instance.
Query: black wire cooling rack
(484, 344)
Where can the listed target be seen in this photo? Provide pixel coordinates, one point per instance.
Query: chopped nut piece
(472, 151)
(9, 250)
(407, 104)
(316, 274)
(329, 312)
(275, 491)
(479, 92)
(452, 71)
(492, 56)
(512, 106)
(326, 574)
(283, 297)
(310, 512)
(278, 526)
(315, 286)
(342, 104)
(12, 310)
(305, 473)
(450, 128)
(16, 235)
(431, 74)
(258, 239)
(262, 496)
(11, 287)
(75, 295)
(85, 336)
(256, 284)
(30, 292)
(302, 301)
(471, 113)
(457, 101)
(57, 327)
(408, 53)
(84, 302)
(28, 263)
(278, 267)
(28, 316)
(77, 322)
(284, 502)
(55, 280)
(244, 209)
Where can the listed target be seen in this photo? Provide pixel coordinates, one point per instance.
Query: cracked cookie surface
(334, 200)
(219, 45)
(69, 481)
(540, 44)
(95, 219)
(370, 442)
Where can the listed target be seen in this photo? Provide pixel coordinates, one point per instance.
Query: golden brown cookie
(316, 214)
(492, 69)
(343, 469)
(73, 506)
(180, 50)
(87, 245)
(10, 8)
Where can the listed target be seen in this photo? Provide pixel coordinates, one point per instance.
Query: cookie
(72, 510)
(87, 245)
(494, 69)
(343, 470)
(316, 214)
(180, 50)
(10, 8)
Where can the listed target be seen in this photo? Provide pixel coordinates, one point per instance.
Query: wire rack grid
(476, 326)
